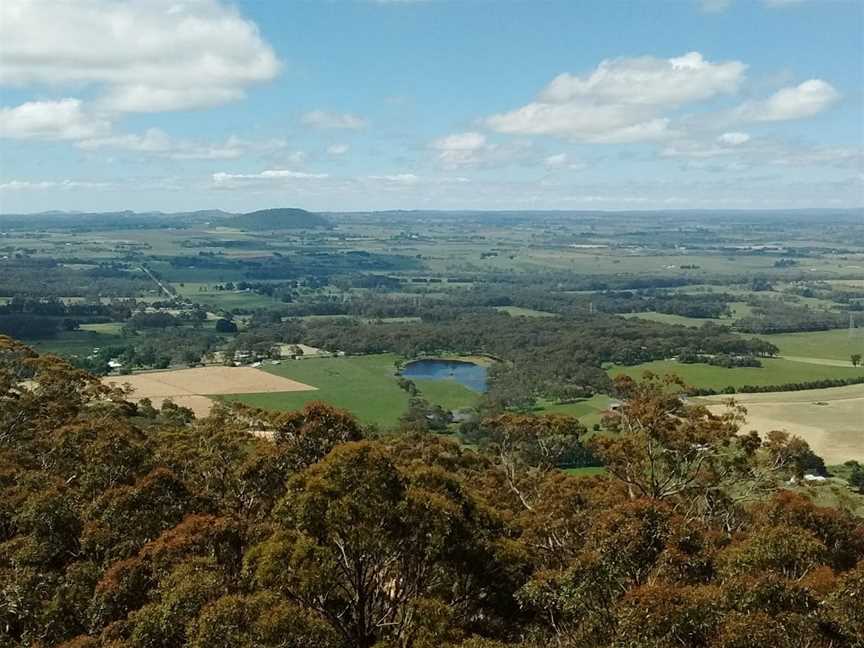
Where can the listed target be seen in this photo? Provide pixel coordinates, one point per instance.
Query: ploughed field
(191, 387)
(830, 420)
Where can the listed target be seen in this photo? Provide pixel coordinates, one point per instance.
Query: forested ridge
(124, 525)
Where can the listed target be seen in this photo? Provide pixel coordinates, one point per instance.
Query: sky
(344, 105)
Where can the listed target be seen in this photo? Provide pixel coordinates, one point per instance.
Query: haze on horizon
(401, 104)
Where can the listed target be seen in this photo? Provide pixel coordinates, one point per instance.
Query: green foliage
(155, 530)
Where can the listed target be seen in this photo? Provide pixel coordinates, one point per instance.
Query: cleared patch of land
(667, 318)
(190, 387)
(363, 385)
(837, 344)
(774, 371)
(517, 311)
(75, 343)
(830, 420)
(588, 410)
(108, 328)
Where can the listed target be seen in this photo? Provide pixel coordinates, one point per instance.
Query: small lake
(468, 374)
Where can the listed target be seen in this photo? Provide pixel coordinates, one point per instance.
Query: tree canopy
(126, 525)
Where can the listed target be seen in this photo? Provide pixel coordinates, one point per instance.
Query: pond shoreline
(465, 372)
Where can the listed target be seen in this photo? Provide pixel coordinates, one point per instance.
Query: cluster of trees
(553, 299)
(125, 526)
(46, 277)
(775, 316)
(43, 317)
(726, 360)
(560, 358)
(153, 349)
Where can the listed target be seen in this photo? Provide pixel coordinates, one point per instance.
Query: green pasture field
(774, 371)
(588, 410)
(108, 328)
(225, 299)
(364, 385)
(837, 344)
(449, 394)
(74, 343)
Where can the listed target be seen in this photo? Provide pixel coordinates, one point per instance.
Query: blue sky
(358, 105)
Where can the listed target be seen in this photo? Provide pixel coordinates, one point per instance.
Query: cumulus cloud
(804, 100)
(733, 139)
(325, 119)
(144, 56)
(648, 80)
(65, 119)
(460, 149)
(622, 100)
(337, 149)
(157, 142)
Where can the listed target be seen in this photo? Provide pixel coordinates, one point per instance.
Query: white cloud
(157, 142)
(473, 149)
(143, 56)
(740, 151)
(779, 4)
(325, 119)
(648, 80)
(36, 185)
(337, 149)
(805, 100)
(270, 177)
(622, 100)
(64, 119)
(555, 161)
(461, 148)
(733, 139)
(399, 178)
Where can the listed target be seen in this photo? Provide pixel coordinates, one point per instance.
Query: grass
(774, 371)
(447, 393)
(588, 410)
(363, 385)
(834, 493)
(74, 343)
(830, 345)
(108, 328)
(667, 318)
(226, 299)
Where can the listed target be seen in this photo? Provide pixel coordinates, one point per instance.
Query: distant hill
(272, 219)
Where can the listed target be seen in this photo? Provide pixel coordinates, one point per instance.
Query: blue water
(465, 373)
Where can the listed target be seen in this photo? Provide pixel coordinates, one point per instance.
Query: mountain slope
(280, 218)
